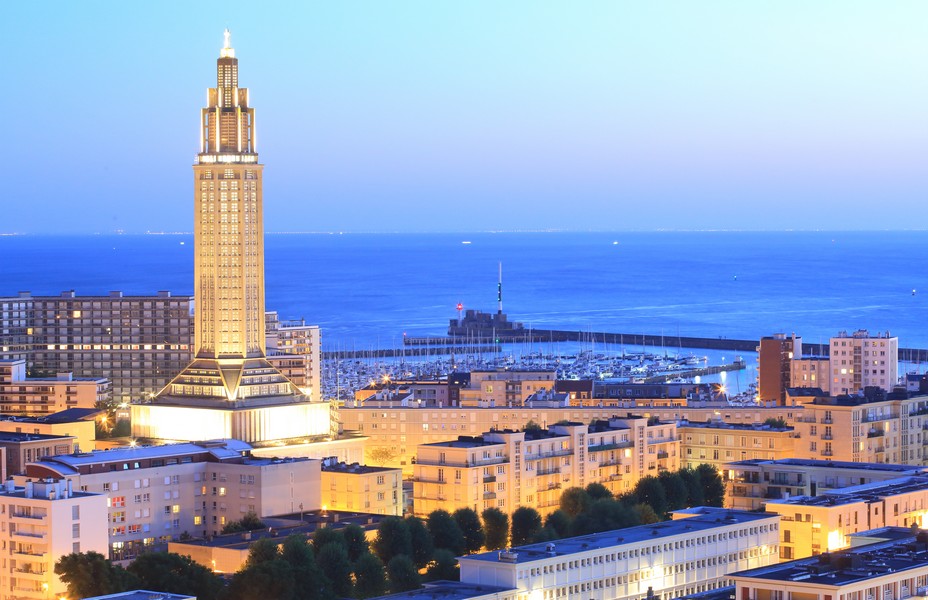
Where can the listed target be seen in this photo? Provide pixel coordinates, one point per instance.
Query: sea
(367, 290)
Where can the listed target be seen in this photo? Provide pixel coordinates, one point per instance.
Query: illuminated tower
(229, 390)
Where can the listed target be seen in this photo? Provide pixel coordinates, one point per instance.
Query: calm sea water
(366, 290)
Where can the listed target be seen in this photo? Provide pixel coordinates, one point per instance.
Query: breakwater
(423, 350)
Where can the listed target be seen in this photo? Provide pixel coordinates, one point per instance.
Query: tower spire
(227, 50)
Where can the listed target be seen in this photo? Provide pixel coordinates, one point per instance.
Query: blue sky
(467, 116)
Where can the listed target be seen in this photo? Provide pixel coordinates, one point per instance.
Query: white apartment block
(859, 360)
(296, 349)
(506, 469)
(697, 551)
(39, 523)
(155, 494)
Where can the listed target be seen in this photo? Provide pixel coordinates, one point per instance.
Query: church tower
(229, 390)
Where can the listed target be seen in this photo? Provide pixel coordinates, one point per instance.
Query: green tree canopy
(90, 574)
(169, 572)
(443, 567)
(650, 491)
(597, 491)
(675, 490)
(559, 522)
(332, 559)
(403, 574)
(355, 541)
(392, 539)
(496, 528)
(445, 532)
(713, 488)
(469, 522)
(526, 522)
(324, 536)
(249, 522)
(574, 501)
(370, 577)
(422, 544)
(695, 495)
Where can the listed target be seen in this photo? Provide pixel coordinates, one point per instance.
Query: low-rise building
(507, 468)
(42, 521)
(716, 443)
(37, 396)
(505, 387)
(894, 568)
(749, 484)
(19, 449)
(699, 550)
(78, 423)
(156, 494)
(355, 487)
(816, 524)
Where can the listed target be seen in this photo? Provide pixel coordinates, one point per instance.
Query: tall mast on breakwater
(499, 291)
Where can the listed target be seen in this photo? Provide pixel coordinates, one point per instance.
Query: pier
(426, 350)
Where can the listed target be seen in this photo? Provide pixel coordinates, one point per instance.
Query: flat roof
(10, 436)
(219, 448)
(702, 518)
(853, 565)
(143, 595)
(867, 492)
(446, 590)
(831, 464)
(733, 426)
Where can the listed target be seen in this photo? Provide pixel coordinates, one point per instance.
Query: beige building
(354, 487)
(295, 348)
(36, 396)
(137, 342)
(503, 387)
(716, 443)
(855, 429)
(63, 424)
(812, 525)
(20, 449)
(750, 484)
(155, 494)
(697, 551)
(811, 372)
(893, 567)
(859, 360)
(506, 469)
(398, 429)
(39, 523)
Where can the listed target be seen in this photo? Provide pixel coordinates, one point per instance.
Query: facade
(774, 356)
(229, 390)
(893, 567)
(295, 348)
(42, 521)
(137, 342)
(506, 469)
(859, 360)
(811, 372)
(504, 387)
(861, 429)
(23, 448)
(816, 524)
(353, 487)
(398, 428)
(155, 494)
(61, 424)
(697, 551)
(750, 484)
(37, 396)
(717, 443)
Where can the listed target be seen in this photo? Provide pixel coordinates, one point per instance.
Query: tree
(392, 539)
(444, 567)
(713, 488)
(355, 542)
(262, 551)
(90, 574)
(324, 536)
(169, 572)
(525, 525)
(531, 425)
(469, 522)
(403, 574)
(381, 455)
(268, 579)
(597, 491)
(496, 528)
(559, 522)
(369, 576)
(445, 532)
(308, 577)
(776, 423)
(422, 544)
(333, 561)
(574, 501)
(646, 514)
(650, 491)
(675, 490)
(249, 522)
(695, 496)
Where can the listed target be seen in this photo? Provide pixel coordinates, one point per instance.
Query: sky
(408, 116)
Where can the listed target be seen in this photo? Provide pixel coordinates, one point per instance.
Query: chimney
(10, 486)
(29, 488)
(70, 488)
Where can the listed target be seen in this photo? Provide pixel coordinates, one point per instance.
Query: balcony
(489, 478)
(32, 518)
(610, 463)
(666, 440)
(551, 471)
(489, 495)
(431, 480)
(662, 455)
(876, 433)
(827, 436)
(552, 454)
(826, 420)
(429, 498)
(605, 447)
(29, 535)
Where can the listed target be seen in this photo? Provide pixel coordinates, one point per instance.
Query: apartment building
(398, 428)
(506, 468)
(893, 567)
(504, 387)
(816, 524)
(155, 494)
(137, 342)
(355, 487)
(750, 484)
(774, 355)
(698, 550)
(859, 360)
(716, 442)
(36, 396)
(811, 372)
(19, 449)
(40, 522)
(876, 429)
(76, 423)
(295, 348)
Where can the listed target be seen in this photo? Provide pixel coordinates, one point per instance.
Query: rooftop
(868, 492)
(900, 553)
(445, 590)
(701, 519)
(733, 426)
(830, 464)
(9, 436)
(221, 449)
(143, 595)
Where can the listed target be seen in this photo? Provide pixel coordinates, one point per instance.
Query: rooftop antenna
(499, 291)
